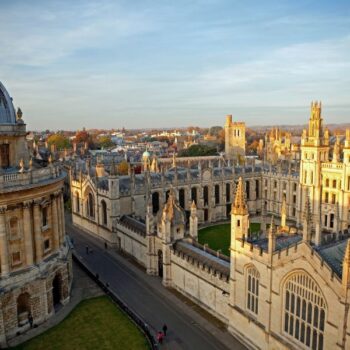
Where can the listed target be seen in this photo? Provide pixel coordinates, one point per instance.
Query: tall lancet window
(304, 311)
(253, 290)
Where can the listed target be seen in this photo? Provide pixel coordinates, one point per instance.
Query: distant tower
(234, 138)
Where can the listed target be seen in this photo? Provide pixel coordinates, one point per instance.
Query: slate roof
(333, 254)
(204, 257)
(133, 224)
(282, 241)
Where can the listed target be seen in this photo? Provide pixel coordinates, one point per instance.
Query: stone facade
(286, 287)
(35, 258)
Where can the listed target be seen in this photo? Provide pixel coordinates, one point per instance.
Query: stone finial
(174, 160)
(193, 205)
(21, 166)
(336, 151)
(272, 236)
(284, 212)
(239, 206)
(50, 159)
(19, 116)
(30, 163)
(307, 223)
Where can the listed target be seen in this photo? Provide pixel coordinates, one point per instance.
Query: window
(333, 198)
(194, 194)
(275, 184)
(294, 187)
(91, 205)
(104, 212)
(334, 183)
(23, 308)
(257, 189)
(304, 311)
(5, 155)
(331, 221)
(182, 198)
(16, 258)
(294, 198)
(205, 195)
(253, 290)
(217, 194)
(77, 202)
(13, 226)
(326, 220)
(247, 189)
(238, 223)
(44, 216)
(326, 197)
(311, 177)
(228, 192)
(327, 182)
(46, 245)
(284, 186)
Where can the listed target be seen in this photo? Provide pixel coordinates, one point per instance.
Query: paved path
(145, 295)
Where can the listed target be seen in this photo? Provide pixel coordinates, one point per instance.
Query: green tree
(105, 142)
(215, 130)
(61, 142)
(198, 151)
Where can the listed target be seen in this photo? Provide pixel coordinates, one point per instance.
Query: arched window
(155, 202)
(182, 198)
(217, 194)
(253, 290)
(205, 195)
(104, 212)
(228, 192)
(304, 310)
(194, 194)
(91, 206)
(23, 308)
(77, 202)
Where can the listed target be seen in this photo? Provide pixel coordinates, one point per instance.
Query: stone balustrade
(29, 177)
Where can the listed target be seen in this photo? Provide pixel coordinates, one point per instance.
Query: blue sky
(105, 64)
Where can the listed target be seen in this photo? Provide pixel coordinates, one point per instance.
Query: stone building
(234, 138)
(286, 287)
(35, 258)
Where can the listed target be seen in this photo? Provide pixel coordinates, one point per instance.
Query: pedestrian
(87, 249)
(106, 245)
(160, 337)
(30, 320)
(165, 328)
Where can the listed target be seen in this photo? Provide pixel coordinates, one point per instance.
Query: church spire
(239, 206)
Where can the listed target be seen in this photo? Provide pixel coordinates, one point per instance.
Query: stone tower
(239, 214)
(234, 138)
(314, 151)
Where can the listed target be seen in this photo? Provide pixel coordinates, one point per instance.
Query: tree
(105, 142)
(215, 130)
(198, 151)
(61, 142)
(123, 168)
(82, 136)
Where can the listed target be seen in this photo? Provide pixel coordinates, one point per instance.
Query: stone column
(55, 223)
(59, 218)
(63, 227)
(27, 233)
(4, 258)
(37, 233)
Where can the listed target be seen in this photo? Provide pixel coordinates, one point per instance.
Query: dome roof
(7, 111)
(145, 154)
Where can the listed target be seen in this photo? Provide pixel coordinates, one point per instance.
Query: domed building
(35, 258)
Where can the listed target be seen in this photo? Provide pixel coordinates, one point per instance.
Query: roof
(333, 254)
(282, 241)
(7, 111)
(207, 259)
(133, 224)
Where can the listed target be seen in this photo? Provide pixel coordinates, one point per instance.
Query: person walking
(87, 249)
(30, 320)
(165, 328)
(106, 246)
(160, 337)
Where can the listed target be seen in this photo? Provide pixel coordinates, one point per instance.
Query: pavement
(188, 327)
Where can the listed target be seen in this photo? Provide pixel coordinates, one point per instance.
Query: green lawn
(218, 236)
(95, 323)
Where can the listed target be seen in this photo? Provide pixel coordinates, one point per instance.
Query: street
(149, 299)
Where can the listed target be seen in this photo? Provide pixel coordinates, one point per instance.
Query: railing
(124, 307)
(29, 177)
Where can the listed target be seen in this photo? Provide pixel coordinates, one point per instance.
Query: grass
(95, 323)
(219, 236)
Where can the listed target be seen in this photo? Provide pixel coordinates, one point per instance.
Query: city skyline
(114, 64)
